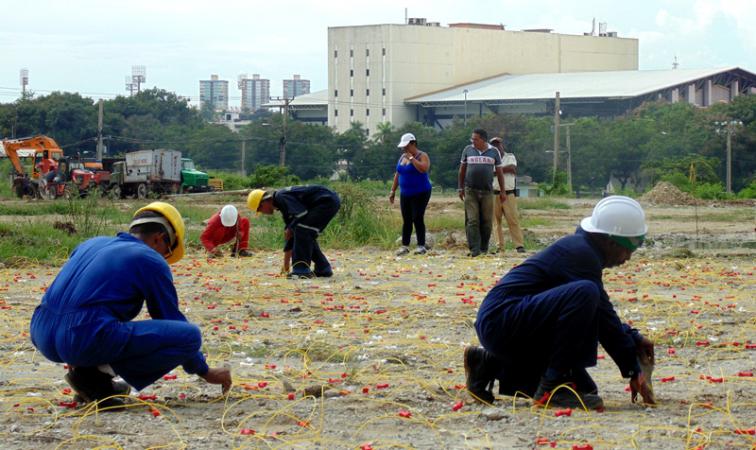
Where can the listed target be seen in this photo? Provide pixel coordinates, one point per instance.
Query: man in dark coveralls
(540, 326)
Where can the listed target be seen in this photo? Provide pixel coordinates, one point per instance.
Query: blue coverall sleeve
(616, 337)
(162, 303)
(292, 209)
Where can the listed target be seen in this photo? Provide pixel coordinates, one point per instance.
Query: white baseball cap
(406, 139)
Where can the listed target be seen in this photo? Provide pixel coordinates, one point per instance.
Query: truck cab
(192, 180)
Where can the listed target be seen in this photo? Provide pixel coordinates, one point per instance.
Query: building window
(351, 92)
(383, 50)
(336, 113)
(384, 112)
(351, 53)
(367, 52)
(367, 92)
(383, 91)
(335, 92)
(351, 72)
(367, 72)
(336, 53)
(351, 112)
(367, 112)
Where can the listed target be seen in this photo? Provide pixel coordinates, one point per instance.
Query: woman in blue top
(412, 178)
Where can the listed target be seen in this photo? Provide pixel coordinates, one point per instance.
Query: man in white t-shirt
(509, 206)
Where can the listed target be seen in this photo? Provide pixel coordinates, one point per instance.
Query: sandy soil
(384, 338)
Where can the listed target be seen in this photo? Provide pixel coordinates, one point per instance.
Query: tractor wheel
(142, 191)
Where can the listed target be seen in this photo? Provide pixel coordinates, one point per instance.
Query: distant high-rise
(255, 92)
(214, 92)
(296, 87)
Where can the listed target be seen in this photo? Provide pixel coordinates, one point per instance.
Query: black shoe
(552, 395)
(520, 249)
(478, 377)
(243, 253)
(300, 276)
(91, 385)
(325, 273)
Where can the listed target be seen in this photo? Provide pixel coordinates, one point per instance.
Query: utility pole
(730, 128)
(243, 157)
(556, 137)
(282, 142)
(465, 120)
(99, 131)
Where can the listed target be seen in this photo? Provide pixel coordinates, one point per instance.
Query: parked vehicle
(192, 180)
(24, 155)
(143, 172)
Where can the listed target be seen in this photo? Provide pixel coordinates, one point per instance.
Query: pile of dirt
(665, 193)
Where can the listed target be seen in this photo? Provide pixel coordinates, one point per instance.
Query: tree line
(656, 141)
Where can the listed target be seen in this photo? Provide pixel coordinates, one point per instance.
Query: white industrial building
(427, 73)
(372, 69)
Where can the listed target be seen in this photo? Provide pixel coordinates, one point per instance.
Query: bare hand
(288, 234)
(219, 375)
(503, 196)
(640, 385)
(461, 195)
(391, 198)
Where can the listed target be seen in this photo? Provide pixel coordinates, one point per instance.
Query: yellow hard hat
(255, 197)
(173, 217)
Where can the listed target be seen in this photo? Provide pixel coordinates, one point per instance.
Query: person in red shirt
(224, 226)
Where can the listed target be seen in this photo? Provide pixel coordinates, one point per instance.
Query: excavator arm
(35, 144)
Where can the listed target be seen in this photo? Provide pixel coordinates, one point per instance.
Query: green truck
(192, 180)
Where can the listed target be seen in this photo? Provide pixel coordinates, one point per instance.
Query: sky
(90, 46)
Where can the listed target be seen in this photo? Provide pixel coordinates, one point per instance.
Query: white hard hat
(616, 215)
(228, 215)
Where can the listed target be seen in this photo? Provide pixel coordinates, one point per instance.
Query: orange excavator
(24, 155)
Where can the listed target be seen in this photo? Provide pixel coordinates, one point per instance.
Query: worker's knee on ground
(587, 293)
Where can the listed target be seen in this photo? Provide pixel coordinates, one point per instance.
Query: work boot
(565, 398)
(119, 387)
(421, 250)
(243, 253)
(479, 375)
(403, 250)
(520, 249)
(300, 275)
(91, 385)
(326, 272)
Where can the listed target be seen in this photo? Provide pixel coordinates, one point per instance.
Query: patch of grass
(526, 222)
(541, 203)
(27, 242)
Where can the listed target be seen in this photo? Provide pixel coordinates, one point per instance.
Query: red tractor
(75, 178)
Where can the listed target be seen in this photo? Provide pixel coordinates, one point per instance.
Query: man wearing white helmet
(540, 326)
(224, 226)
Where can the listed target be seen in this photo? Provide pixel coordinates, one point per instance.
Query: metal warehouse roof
(313, 98)
(614, 84)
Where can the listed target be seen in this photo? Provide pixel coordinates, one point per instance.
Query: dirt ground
(383, 341)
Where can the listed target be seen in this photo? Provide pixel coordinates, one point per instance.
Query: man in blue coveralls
(86, 316)
(306, 211)
(541, 324)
